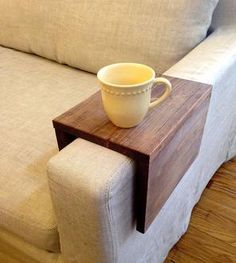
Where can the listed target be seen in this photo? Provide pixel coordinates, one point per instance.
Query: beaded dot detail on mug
(125, 93)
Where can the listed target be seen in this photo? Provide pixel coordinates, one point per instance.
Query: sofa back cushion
(225, 14)
(89, 34)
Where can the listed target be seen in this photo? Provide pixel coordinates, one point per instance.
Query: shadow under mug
(126, 92)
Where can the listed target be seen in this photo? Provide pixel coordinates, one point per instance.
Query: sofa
(77, 205)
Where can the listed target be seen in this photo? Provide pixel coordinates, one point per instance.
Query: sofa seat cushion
(14, 249)
(90, 34)
(33, 91)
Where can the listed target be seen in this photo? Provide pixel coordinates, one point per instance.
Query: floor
(211, 236)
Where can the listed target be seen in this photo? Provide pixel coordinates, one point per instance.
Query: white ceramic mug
(126, 92)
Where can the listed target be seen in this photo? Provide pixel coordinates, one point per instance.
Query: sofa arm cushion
(211, 60)
(84, 178)
(214, 62)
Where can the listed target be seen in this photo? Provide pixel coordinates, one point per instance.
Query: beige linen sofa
(76, 206)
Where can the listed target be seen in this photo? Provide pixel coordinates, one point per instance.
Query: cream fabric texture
(89, 34)
(14, 249)
(93, 188)
(225, 14)
(82, 189)
(33, 92)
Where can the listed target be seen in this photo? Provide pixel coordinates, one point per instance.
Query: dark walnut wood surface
(164, 145)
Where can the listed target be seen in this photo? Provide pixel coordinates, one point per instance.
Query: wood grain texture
(211, 236)
(164, 145)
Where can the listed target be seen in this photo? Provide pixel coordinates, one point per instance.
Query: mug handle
(168, 88)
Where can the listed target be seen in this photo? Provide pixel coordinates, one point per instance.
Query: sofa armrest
(84, 179)
(210, 60)
(93, 187)
(214, 62)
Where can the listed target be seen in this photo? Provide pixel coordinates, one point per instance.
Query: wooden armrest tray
(164, 145)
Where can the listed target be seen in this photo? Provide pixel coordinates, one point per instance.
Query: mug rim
(101, 71)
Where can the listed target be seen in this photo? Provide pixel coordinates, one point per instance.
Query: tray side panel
(171, 163)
